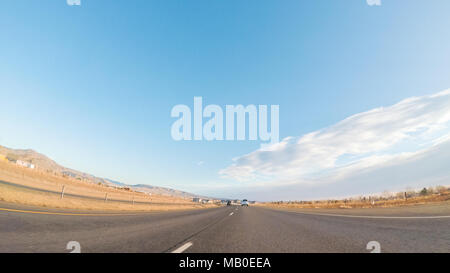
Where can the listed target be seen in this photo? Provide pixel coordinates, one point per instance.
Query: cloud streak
(370, 140)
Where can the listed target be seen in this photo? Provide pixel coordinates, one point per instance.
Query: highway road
(226, 229)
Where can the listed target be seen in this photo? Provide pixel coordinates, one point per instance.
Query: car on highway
(244, 203)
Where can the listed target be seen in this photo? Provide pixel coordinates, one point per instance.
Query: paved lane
(150, 232)
(256, 229)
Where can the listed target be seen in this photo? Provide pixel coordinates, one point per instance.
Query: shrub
(424, 191)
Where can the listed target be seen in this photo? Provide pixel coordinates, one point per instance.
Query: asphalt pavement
(230, 229)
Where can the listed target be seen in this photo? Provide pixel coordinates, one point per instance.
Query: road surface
(226, 229)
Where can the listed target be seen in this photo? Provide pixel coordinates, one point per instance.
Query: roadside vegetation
(45, 189)
(428, 195)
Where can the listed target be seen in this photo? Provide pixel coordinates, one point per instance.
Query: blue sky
(92, 86)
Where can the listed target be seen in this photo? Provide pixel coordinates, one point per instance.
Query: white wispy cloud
(372, 140)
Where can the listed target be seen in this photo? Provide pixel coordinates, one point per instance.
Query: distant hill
(44, 163)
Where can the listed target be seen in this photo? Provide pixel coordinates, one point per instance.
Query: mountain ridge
(44, 163)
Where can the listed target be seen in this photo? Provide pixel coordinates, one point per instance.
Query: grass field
(36, 182)
(431, 195)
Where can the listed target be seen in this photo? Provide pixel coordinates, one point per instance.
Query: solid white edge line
(182, 248)
(373, 217)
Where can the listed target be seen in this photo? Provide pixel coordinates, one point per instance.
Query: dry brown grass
(42, 180)
(443, 196)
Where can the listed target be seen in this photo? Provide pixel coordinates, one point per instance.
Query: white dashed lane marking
(182, 248)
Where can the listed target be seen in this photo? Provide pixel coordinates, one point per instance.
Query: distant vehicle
(228, 203)
(244, 203)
